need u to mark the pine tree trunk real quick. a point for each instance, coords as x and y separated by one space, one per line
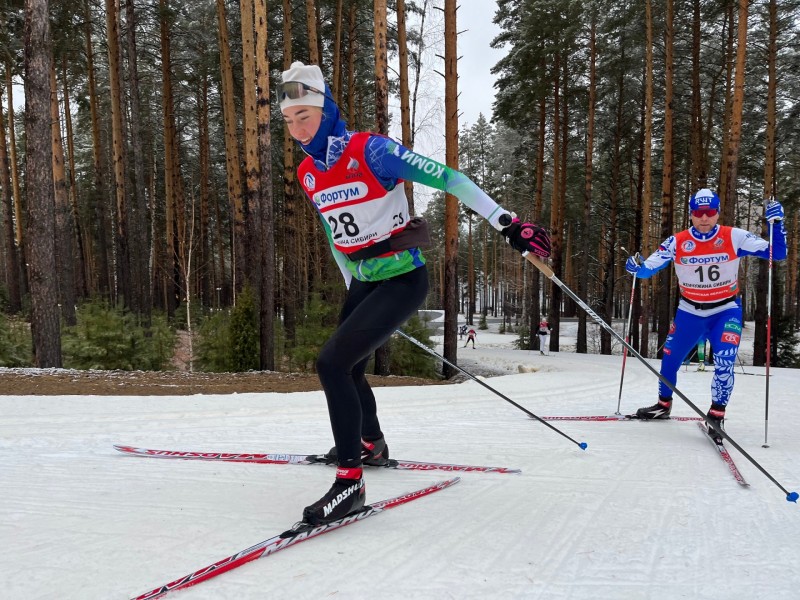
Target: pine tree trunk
352 50
584 226
291 270
537 308
667 183
381 68
80 254
336 79
731 158
450 291
12 156
267 224
232 165
252 200
760 339
562 200
381 124
793 268
726 121
699 176
122 279
556 232
65 255
140 289
313 40
172 260
645 287
405 108
40 251
101 279
10 255
206 259
614 192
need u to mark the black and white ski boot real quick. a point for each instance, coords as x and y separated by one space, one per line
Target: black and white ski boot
715 416
346 496
660 410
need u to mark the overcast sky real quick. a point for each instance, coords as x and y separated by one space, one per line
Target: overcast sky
477 59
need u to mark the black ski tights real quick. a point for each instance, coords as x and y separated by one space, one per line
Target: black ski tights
371 313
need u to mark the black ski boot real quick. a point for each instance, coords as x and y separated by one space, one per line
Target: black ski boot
659 410
374 453
346 496
715 416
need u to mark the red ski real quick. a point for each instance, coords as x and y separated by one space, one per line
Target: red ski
302 459
614 418
300 533
725 456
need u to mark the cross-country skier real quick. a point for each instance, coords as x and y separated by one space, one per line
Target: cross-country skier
706 258
355 182
544 334
701 354
471 337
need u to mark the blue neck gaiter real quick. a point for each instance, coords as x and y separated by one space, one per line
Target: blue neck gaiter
704 236
321 148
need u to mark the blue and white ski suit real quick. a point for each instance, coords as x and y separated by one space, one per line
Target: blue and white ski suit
707 267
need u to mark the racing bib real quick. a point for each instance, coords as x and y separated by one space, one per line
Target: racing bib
707 270
354 204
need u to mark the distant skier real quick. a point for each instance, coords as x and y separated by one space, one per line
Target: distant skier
544 334
706 258
701 354
462 331
471 338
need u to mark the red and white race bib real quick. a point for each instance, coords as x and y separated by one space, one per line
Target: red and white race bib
358 209
707 270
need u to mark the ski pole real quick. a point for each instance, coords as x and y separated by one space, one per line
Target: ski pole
581 445
769 336
627 337
548 272
741 365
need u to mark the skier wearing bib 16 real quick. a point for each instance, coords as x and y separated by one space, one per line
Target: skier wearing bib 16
706 258
355 182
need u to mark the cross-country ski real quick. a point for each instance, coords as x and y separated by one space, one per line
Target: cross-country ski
301 459
299 533
725 456
631 417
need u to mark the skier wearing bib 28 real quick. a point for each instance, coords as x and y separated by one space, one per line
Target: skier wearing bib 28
355 182
706 258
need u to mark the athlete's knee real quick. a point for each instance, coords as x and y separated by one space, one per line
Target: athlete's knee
725 358
330 362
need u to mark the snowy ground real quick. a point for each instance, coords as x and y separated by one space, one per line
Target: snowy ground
649 511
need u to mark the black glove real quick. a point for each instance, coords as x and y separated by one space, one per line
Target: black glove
526 237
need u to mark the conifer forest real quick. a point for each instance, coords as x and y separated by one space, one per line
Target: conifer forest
148 182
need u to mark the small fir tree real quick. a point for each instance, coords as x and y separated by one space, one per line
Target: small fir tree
15 343
111 339
244 337
409 360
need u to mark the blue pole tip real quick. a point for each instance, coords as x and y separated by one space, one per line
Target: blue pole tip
792 497
584 445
